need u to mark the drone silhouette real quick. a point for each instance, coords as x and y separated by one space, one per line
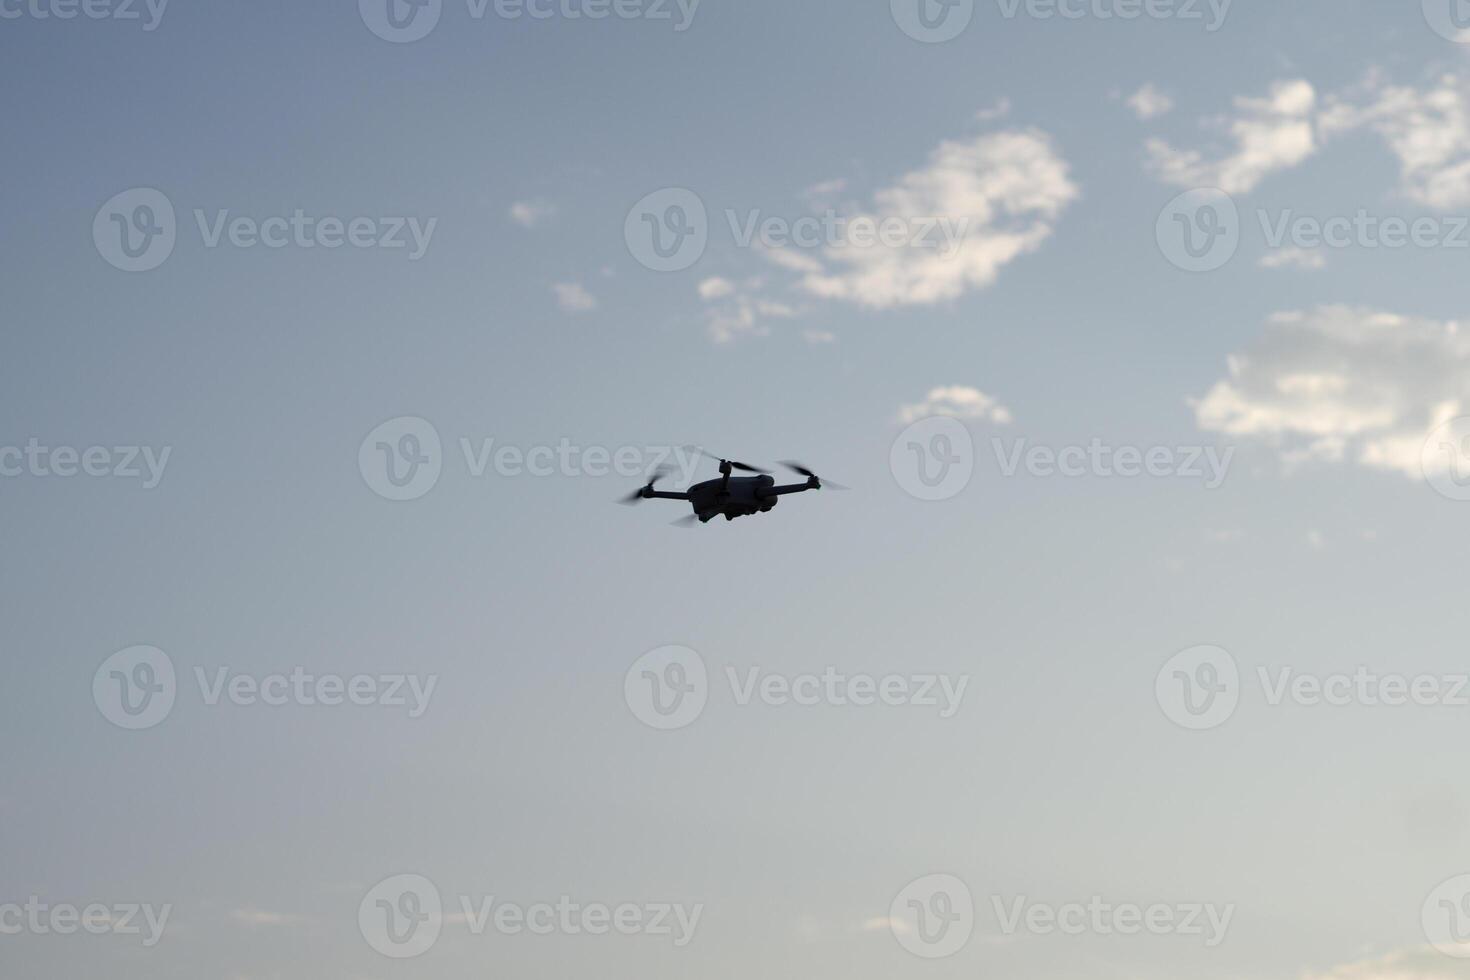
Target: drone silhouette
733 496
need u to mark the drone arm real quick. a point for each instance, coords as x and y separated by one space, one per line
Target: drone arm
790 488
664 495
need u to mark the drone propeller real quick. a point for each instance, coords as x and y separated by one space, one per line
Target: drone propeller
688 520
745 467
824 484
639 494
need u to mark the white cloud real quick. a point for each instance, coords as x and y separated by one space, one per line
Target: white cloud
738 310
1268 134
1149 102
1427 129
1292 257
1000 193
1344 384
574 298
815 337
956 401
529 214
259 918
715 287
1424 963
999 110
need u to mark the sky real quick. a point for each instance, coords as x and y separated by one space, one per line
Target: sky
331 337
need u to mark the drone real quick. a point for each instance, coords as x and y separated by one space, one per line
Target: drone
732 496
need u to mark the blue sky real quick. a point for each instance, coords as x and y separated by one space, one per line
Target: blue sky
1322 371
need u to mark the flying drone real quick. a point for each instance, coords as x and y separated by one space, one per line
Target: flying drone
733 496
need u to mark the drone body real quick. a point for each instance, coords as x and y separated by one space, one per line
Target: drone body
731 496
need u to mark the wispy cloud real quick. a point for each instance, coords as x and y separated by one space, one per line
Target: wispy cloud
573 297
530 214
1264 135
1149 102
956 401
1344 384
1001 193
1293 257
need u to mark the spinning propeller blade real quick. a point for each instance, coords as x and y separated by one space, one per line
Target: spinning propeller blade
688 520
638 495
804 471
746 467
